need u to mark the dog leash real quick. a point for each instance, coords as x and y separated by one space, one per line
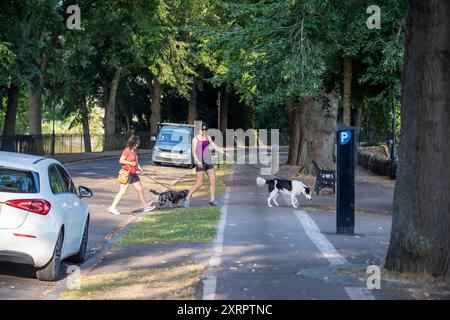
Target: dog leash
251 166
157 182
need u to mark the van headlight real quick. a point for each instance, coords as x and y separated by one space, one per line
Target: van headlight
157 149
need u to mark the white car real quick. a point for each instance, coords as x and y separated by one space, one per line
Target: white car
43 219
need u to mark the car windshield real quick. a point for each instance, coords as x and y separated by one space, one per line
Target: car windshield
174 136
18 181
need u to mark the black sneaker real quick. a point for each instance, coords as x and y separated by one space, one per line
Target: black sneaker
215 203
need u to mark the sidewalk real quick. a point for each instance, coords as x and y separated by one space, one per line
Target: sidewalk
373 193
76 157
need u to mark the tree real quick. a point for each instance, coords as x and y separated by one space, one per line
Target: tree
115 50
15 67
164 47
43 26
420 235
274 54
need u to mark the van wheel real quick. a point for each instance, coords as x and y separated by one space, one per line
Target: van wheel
156 163
51 271
80 257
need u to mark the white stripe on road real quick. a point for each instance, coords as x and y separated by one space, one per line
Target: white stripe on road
359 293
210 282
319 240
330 253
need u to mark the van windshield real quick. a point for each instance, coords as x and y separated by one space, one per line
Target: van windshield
174 136
18 181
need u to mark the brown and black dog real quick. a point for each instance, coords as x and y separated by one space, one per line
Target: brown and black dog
171 197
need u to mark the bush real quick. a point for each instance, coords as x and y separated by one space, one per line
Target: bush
377 163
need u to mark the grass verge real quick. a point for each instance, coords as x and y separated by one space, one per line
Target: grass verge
196 224
161 283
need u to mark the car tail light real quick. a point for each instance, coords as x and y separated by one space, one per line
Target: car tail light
32 205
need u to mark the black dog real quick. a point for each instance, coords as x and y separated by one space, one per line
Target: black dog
171 197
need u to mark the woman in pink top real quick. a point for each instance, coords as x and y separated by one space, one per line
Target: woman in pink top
203 163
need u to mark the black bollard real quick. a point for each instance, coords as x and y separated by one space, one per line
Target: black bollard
345 180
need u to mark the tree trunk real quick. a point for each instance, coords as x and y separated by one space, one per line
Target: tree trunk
357 122
319 134
155 107
126 117
109 101
85 122
35 110
9 128
35 98
420 237
192 103
347 101
224 111
295 132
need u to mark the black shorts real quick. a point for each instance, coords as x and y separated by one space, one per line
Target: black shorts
206 167
133 178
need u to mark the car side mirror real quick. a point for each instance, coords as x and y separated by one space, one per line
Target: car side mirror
153 138
84 192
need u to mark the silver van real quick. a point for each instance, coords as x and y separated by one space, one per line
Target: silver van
173 145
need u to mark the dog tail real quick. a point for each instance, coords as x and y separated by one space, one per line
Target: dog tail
154 192
260 182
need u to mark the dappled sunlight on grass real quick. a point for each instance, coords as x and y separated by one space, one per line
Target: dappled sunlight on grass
197 224
163 283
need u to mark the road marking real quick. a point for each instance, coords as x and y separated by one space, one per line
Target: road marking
359 293
319 240
330 253
210 282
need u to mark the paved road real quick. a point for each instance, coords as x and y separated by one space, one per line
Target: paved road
286 253
19 282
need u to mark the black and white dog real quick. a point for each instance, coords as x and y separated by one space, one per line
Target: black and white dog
171 197
291 188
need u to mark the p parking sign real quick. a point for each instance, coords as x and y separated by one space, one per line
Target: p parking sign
344 137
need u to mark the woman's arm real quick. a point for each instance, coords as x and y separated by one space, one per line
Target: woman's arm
194 153
123 160
215 146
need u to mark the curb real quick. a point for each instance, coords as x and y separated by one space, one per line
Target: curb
90 264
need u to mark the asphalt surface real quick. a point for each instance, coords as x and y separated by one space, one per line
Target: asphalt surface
267 253
19 281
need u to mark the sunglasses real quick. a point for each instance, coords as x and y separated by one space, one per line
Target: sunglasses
204 129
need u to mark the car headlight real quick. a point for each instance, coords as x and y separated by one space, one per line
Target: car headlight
157 149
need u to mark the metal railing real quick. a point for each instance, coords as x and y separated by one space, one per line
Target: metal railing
48 144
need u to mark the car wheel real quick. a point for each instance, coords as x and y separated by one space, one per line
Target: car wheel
51 271
80 257
156 163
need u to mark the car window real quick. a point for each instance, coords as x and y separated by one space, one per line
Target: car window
174 136
67 181
55 182
18 181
